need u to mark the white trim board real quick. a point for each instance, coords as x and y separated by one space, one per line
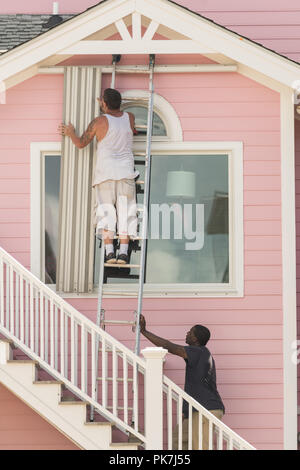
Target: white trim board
289 299
198 29
36 151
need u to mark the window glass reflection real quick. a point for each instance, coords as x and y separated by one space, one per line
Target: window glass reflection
141 118
51 211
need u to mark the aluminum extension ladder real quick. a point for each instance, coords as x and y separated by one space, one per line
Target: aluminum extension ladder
101 321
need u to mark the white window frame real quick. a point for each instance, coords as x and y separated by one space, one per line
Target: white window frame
38 150
236 241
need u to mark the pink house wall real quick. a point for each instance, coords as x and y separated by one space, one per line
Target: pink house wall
23 429
246 332
275 24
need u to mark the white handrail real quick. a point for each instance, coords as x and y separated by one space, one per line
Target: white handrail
48 329
173 392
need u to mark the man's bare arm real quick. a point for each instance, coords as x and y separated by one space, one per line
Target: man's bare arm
176 349
86 137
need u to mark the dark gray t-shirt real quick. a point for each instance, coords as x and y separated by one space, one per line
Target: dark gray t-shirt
200 379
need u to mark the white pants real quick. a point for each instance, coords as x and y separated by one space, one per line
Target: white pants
116 205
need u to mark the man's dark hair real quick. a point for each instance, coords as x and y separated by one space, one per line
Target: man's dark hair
202 334
112 98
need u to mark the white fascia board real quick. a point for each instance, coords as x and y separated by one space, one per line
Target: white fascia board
227 43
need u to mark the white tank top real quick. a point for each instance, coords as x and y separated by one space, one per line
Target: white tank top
115 159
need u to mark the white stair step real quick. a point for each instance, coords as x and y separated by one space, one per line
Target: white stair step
26 371
124 446
119 379
116 265
6 350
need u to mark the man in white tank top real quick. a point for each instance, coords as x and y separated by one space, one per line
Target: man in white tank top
114 176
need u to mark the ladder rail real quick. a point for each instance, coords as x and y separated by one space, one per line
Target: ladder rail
100 311
146 206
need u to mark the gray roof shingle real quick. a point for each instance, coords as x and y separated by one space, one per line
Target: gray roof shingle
17 29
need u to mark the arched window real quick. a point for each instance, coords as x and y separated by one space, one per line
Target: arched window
140 112
166 124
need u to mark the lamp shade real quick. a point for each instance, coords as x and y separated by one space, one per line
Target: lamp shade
181 184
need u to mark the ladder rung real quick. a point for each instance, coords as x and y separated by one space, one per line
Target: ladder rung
118 322
140 182
119 408
115 265
140 209
121 293
133 238
136 98
119 379
141 126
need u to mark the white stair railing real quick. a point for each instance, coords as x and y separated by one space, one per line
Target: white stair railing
64 342
220 436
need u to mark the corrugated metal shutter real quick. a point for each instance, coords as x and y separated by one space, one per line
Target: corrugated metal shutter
76 238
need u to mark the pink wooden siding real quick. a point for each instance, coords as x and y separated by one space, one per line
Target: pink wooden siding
246 332
23 429
274 24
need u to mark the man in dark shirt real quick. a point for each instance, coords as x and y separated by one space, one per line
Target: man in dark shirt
200 381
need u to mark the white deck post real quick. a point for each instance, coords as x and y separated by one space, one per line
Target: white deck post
154 397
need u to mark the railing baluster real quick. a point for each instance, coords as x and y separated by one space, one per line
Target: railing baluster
83 359
76 354
170 420
62 341
22 330
66 345
46 326
179 423
125 387
104 374
31 319
51 333
1 291
37 322
190 430
220 439
11 292
135 396
26 313
93 371
7 323
210 435
17 304
72 349
42 326
200 430
114 380
56 338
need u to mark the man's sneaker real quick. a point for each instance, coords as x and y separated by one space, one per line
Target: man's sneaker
123 259
110 258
